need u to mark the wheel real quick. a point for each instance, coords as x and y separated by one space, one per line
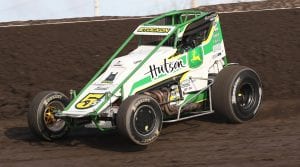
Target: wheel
140 119
236 93
41 115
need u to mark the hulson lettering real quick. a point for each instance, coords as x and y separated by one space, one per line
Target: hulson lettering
165 68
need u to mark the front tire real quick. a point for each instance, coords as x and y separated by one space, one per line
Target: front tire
41 115
237 93
140 119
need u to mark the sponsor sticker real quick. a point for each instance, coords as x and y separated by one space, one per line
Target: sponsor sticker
186 85
195 57
110 78
154 29
165 68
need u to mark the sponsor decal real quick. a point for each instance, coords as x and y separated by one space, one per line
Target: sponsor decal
138 61
154 29
217 38
111 77
89 100
216 55
217 47
195 58
165 68
118 64
186 85
102 88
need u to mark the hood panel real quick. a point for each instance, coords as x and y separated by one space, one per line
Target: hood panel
118 70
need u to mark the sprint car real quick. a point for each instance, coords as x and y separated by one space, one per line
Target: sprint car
177 71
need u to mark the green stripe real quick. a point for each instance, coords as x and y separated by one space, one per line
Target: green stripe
191 99
140 83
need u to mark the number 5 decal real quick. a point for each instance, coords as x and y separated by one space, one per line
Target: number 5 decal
89 100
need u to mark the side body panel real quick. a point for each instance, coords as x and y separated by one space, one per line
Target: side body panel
206 58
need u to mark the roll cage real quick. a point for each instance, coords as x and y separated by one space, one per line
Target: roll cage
182 31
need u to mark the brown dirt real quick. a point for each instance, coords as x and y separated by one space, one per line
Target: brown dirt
65 56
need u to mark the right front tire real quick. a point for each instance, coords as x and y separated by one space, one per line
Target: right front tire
140 119
41 115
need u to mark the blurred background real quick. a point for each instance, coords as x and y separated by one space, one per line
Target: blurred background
22 10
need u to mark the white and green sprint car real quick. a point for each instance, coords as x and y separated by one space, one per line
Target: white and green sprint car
177 71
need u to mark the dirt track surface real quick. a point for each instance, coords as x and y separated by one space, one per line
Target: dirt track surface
61 57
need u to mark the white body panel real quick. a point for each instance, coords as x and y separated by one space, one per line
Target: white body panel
121 67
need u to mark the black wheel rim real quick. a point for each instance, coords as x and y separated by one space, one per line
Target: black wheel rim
144 120
245 96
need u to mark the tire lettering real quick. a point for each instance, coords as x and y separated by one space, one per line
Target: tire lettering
233 98
51 98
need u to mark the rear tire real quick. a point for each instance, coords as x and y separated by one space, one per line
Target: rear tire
41 115
140 119
237 93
